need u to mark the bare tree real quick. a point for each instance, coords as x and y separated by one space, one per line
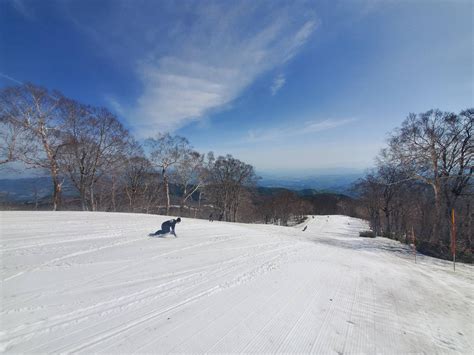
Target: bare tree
135 175
436 148
389 177
369 191
34 111
227 179
11 139
95 145
165 151
74 155
457 158
190 174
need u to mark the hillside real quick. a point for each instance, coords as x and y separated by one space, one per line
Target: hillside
95 282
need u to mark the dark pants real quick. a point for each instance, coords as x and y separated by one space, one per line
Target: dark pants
165 229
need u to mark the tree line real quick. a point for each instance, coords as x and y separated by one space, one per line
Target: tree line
421 176
87 147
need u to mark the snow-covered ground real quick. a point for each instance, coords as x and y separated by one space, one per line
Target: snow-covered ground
95 282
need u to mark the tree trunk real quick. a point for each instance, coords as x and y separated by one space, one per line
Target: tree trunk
167 192
91 194
130 200
235 214
199 205
56 193
114 207
469 228
377 223
83 200
387 221
183 199
54 169
434 238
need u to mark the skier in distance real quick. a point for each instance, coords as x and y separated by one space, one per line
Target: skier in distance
167 227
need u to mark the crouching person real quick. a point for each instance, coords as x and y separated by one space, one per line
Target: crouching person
168 227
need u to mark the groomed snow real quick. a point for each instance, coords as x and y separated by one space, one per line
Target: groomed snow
95 282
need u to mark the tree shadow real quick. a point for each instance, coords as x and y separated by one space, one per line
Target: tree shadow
366 244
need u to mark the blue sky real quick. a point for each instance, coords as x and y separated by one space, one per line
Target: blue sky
288 86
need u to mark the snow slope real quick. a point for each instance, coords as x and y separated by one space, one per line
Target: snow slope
95 282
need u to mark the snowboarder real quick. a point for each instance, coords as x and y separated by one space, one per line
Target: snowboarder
168 227
211 217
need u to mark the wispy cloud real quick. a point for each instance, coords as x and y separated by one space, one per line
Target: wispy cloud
277 84
23 8
177 91
115 104
198 57
10 78
278 133
204 77
326 124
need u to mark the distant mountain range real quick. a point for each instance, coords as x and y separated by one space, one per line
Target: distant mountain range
40 188
332 183
30 189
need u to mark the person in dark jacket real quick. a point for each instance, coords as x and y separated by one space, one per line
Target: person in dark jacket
168 227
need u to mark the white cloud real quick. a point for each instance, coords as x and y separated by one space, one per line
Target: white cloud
277 84
326 124
212 67
278 133
178 91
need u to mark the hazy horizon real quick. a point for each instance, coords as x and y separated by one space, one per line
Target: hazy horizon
12 172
